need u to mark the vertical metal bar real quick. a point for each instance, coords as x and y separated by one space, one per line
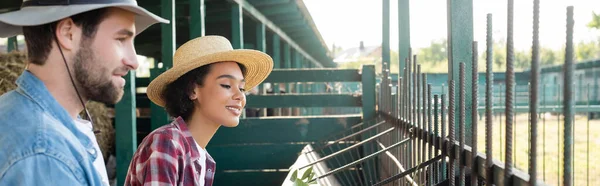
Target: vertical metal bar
261 45
404 32
558 135
237 26
12 44
488 102
159 117
429 134
385 56
197 18
544 134
422 125
568 101
126 125
413 121
368 98
287 63
276 54
443 171
533 95
339 164
502 95
474 115
451 127
587 164
461 120
418 124
437 173
460 36
509 95
514 136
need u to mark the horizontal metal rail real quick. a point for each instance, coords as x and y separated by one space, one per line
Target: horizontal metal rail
348 148
361 160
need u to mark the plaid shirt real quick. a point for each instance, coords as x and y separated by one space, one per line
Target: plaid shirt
170 156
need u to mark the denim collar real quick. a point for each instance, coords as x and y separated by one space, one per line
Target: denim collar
33 88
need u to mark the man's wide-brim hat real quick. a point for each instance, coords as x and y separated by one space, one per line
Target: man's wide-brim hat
39 12
207 50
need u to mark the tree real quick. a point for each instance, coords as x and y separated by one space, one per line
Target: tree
587 51
595 23
435 53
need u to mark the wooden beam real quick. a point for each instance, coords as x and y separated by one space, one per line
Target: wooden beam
313 75
297 129
125 128
197 18
303 100
253 12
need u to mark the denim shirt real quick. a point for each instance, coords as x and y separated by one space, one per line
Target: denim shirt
39 142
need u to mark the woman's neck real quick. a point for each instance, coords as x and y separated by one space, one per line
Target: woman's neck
201 129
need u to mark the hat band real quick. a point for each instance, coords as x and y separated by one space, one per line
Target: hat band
27 3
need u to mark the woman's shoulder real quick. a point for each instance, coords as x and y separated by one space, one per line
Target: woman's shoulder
167 135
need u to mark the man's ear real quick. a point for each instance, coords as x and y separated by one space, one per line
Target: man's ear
67 34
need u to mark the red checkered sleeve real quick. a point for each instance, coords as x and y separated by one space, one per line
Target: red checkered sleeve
157 161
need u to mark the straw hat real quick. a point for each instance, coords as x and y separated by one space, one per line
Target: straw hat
39 12
207 50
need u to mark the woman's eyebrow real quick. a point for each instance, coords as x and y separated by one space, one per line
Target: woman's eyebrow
230 77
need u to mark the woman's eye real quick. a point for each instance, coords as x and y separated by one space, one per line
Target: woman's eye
225 86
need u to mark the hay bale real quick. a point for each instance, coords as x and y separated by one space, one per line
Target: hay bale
11 66
103 124
14 63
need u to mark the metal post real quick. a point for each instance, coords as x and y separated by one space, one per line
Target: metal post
461 133
451 127
443 173
488 102
197 18
125 128
287 63
460 38
423 125
474 114
12 44
429 134
568 109
437 173
385 55
159 116
533 95
510 74
276 55
404 32
237 26
261 45
418 126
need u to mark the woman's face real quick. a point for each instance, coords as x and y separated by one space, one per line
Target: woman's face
221 98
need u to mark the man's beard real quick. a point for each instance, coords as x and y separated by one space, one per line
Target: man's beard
92 77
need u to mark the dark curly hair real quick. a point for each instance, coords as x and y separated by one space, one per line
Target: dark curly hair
177 93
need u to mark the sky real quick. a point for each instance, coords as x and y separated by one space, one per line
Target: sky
347 22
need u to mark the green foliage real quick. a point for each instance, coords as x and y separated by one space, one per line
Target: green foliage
435 53
595 23
305 180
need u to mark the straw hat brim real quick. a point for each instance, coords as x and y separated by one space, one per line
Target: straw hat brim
258 67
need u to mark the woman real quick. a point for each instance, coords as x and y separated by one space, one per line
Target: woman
203 91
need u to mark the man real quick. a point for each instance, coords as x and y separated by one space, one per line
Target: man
78 50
